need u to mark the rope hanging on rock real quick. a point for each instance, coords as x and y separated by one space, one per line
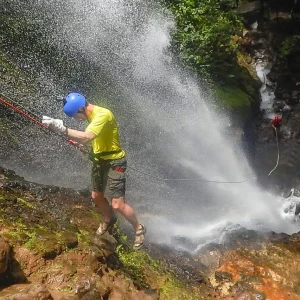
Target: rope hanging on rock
276 134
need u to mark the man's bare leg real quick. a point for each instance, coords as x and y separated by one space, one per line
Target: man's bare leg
103 205
126 211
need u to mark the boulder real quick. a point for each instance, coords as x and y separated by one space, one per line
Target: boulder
33 291
5 250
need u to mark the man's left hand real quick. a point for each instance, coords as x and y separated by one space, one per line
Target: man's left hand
55 125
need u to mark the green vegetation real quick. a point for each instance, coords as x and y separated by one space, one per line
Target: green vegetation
147 272
204 34
233 98
289 46
208 38
84 237
24 202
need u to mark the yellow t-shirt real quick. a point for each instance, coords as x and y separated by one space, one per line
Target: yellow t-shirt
104 126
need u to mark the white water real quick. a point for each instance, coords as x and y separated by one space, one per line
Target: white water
266 90
130 41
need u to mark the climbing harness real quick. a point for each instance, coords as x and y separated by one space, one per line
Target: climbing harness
276 134
34 118
97 157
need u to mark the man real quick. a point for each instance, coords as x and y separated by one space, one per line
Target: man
276 124
109 162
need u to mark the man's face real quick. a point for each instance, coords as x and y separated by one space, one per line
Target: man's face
80 116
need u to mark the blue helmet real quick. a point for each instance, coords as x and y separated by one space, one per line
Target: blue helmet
72 103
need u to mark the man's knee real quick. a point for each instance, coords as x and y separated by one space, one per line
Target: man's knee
118 203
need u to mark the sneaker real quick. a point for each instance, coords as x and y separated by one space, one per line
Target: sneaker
104 226
139 237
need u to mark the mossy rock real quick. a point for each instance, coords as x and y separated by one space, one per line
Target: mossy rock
14 237
149 273
68 239
85 219
233 98
45 243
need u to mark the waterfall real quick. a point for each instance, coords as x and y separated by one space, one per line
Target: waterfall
167 124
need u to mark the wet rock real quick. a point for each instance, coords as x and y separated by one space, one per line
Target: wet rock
16 274
105 242
26 292
5 251
31 262
249 7
244 296
69 239
92 295
223 276
61 250
85 192
85 219
210 258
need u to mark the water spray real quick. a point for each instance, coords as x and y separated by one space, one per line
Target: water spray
34 118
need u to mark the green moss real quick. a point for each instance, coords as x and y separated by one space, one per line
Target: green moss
24 202
233 98
135 262
67 239
19 223
47 245
66 289
10 68
33 242
83 237
15 237
145 272
244 60
95 215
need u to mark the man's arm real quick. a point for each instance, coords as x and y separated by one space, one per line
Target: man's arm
81 137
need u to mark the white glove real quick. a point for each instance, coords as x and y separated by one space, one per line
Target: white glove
55 125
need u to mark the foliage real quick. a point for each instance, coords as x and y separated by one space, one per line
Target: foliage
204 33
289 46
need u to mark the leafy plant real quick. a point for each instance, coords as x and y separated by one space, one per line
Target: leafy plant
289 46
204 32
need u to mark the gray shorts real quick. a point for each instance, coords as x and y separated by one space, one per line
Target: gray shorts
109 178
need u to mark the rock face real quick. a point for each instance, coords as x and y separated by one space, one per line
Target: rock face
26 292
54 254
276 41
49 250
269 272
4 256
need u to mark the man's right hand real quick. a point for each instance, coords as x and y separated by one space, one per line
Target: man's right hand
55 125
